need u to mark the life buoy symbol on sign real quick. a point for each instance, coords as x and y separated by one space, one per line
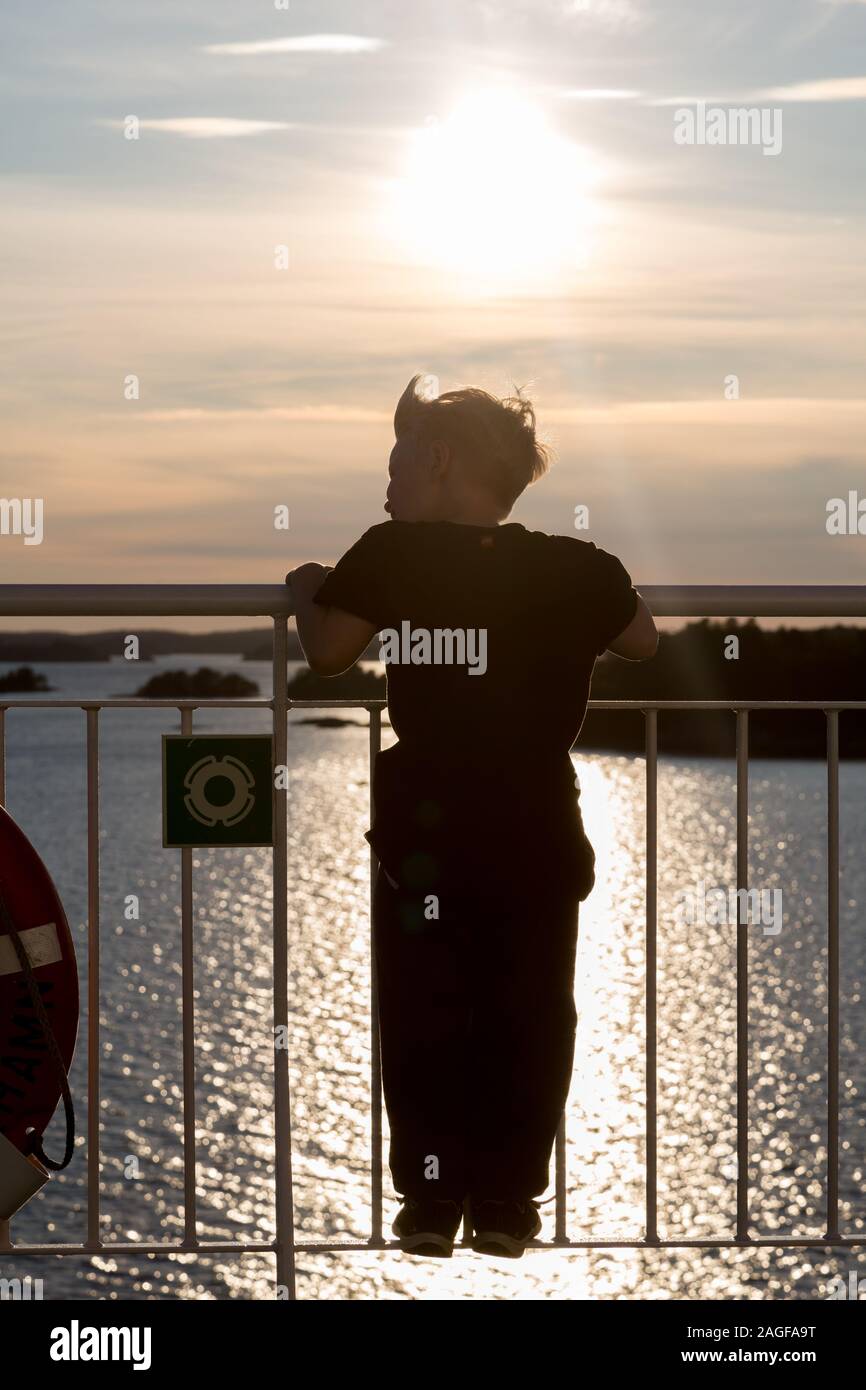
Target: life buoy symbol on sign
211 813
38 1017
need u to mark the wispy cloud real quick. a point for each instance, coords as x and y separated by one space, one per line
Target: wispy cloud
308 414
827 89
832 89
600 94
302 43
708 100
769 410
207 127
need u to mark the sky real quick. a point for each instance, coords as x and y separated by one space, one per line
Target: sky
324 199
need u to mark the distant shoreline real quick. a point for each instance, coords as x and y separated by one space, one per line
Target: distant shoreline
721 661
248 644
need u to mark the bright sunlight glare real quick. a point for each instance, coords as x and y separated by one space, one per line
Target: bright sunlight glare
494 192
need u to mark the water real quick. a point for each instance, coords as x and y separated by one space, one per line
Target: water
140 1005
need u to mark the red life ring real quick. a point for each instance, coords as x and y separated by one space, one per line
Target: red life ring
39 1004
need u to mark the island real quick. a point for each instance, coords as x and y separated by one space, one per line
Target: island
205 683
23 679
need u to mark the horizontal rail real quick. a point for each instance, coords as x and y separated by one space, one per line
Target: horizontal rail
756 600
152 600
275 600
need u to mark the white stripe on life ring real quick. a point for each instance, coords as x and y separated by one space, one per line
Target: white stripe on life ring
41 944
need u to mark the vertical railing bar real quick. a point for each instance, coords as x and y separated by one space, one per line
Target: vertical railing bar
651 755
742 975
375 1053
284 1192
93 1035
561 1235
5 1226
832 974
188 1005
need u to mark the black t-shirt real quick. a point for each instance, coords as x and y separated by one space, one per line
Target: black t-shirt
504 625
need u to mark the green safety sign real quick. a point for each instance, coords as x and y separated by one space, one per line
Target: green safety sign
217 789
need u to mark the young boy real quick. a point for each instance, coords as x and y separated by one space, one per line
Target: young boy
490 632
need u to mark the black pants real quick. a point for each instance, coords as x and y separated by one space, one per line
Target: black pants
477 1024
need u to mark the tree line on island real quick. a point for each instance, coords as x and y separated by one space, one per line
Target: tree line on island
821 664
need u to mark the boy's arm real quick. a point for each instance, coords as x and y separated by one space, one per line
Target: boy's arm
331 639
638 641
623 623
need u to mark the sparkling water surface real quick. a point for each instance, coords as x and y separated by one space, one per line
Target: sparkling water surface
328 897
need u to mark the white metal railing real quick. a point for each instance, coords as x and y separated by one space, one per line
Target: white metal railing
274 601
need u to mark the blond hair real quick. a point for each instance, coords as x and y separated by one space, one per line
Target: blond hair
494 437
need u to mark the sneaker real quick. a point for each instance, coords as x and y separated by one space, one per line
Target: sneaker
428 1227
504 1228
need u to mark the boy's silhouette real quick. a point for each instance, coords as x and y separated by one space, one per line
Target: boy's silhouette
482 854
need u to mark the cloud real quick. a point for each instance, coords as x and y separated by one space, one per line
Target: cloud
832 89
798 411
313 414
828 89
708 101
208 127
600 94
759 411
302 43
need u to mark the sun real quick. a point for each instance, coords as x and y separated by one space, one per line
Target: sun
494 192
